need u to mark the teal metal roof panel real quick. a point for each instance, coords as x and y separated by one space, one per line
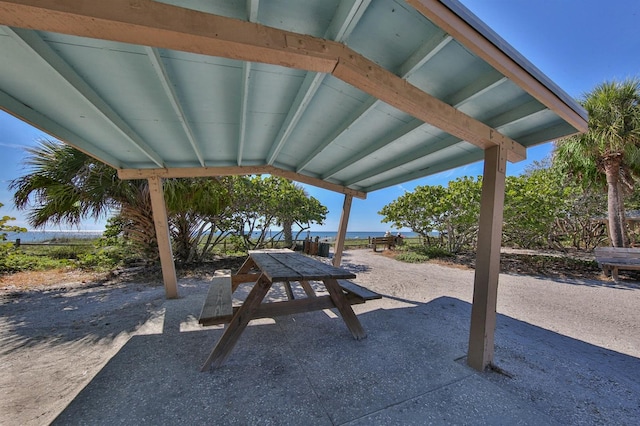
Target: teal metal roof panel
138 106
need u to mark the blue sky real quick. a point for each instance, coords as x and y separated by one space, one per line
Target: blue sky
577 43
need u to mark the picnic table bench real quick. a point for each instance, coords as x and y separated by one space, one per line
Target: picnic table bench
389 241
264 268
611 259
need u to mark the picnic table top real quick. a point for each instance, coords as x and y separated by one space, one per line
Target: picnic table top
286 265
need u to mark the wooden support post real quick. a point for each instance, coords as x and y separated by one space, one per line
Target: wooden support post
342 230
485 291
162 236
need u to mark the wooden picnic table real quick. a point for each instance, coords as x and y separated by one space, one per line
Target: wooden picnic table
266 267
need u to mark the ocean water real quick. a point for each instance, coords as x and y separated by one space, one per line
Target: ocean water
331 236
37 236
325 236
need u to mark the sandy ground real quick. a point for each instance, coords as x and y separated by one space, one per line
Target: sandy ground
53 341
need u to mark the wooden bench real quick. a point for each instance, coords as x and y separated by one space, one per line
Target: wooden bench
611 259
356 293
218 304
389 241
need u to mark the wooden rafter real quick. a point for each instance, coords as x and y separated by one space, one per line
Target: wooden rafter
343 22
235 171
172 96
23 112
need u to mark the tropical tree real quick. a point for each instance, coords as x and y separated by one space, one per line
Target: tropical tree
4 228
421 211
67 186
462 202
258 203
194 207
608 154
296 209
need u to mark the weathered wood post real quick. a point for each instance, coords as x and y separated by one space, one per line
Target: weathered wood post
162 236
342 230
485 290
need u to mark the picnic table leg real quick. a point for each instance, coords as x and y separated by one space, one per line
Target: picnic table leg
307 288
344 307
288 290
238 323
247 266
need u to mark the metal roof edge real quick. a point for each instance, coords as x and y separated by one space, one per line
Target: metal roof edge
483 29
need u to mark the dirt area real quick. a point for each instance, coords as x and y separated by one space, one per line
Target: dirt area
548 263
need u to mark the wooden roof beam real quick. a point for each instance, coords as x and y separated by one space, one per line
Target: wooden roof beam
420 57
155 24
344 21
29 115
386 86
236 171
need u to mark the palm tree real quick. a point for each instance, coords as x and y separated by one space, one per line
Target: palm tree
609 152
67 186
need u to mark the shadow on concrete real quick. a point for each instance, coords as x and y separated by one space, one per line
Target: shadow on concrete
63 315
308 369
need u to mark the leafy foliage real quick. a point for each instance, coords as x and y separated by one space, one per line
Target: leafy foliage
4 228
451 213
258 203
65 185
543 209
608 154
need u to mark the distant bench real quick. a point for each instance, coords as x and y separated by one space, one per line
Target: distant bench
389 241
611 259
218 305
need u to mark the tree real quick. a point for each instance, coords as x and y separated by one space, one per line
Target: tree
294 207
534 203
4 228
421 211
462 203
608 154
259 203
194 206
67 186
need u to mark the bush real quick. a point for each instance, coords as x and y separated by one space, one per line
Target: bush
420 253
412 257
18 261
433 252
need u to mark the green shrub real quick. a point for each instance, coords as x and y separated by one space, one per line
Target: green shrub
105 258
433 252
15 261
412 257
68 252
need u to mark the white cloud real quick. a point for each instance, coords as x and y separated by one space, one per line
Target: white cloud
12 145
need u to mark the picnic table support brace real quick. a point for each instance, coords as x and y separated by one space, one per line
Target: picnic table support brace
485 290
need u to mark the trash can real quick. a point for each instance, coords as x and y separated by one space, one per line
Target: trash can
323 250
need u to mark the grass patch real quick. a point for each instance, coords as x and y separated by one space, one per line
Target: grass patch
419 253
411 257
